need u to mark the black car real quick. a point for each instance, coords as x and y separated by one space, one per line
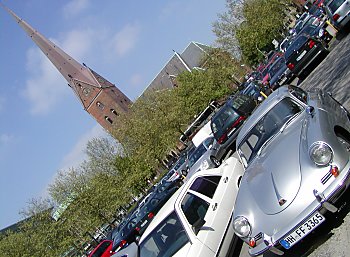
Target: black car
226 122
304 53
279 74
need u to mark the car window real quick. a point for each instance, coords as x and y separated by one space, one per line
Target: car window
165 240
206 185
269 125
208 142
295 46
223 121
194 208
335 4
200 150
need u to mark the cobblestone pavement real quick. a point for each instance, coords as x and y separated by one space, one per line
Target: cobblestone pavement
332 239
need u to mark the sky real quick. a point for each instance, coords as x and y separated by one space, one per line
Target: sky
43 127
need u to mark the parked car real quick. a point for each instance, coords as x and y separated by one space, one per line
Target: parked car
202 158
196 221
103 249
338 11
319 32
140 219
305 52
295 149
226 123
175 172
254 89
279 74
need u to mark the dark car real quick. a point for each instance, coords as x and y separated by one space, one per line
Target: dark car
253 90
303 54
226 122
279 74
140 219
317 31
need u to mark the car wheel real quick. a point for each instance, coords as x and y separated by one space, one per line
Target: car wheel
214 160
344 141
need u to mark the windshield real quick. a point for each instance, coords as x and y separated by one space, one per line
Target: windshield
200 150
268 126
295 45
165 240
334 5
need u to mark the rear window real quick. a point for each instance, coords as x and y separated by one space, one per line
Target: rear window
224 119
335 4
295 45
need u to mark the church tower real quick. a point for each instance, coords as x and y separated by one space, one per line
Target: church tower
100 98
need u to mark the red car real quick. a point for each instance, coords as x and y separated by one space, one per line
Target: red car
104 249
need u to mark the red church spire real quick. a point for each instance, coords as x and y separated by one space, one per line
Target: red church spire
99 97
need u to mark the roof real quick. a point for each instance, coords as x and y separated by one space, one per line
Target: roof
188 60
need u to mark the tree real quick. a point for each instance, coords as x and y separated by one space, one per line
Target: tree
226 26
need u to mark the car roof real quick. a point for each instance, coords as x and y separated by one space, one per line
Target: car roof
266 105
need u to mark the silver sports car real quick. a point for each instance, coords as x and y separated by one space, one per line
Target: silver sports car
296 152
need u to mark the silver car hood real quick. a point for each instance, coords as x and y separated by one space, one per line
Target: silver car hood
273 179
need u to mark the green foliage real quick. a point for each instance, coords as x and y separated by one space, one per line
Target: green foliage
264 20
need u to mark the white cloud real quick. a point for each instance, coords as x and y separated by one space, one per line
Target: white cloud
125 39
45 86
77 154
78 43
74 7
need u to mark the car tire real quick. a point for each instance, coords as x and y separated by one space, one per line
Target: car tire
214 160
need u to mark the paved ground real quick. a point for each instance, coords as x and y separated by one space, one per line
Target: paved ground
332 239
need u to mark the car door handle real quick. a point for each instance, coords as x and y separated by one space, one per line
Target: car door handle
215 206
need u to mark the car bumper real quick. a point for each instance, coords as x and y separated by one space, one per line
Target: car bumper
222 149
331 194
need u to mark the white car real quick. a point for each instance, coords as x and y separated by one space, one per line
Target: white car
196 220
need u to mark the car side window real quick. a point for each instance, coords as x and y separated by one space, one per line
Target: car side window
206 185
194 208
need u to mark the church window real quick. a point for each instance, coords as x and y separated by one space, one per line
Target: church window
100 105
108 119
114 112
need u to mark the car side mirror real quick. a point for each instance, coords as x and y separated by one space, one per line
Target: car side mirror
310 110
198 225
184 172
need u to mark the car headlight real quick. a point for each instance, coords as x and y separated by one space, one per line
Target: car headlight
204 165
320 33
241 226
321 153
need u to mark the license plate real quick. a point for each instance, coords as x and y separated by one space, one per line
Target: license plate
283 80
144 223
301 55
302 230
